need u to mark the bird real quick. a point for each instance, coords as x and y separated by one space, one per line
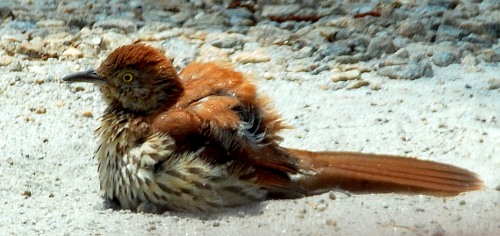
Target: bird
204 140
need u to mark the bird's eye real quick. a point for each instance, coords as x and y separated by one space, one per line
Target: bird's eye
128 77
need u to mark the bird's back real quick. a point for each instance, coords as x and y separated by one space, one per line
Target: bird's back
236 126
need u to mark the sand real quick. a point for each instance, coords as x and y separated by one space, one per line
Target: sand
49 182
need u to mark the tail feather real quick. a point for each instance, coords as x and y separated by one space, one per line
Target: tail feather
381 173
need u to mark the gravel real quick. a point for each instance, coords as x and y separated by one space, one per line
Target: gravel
416 78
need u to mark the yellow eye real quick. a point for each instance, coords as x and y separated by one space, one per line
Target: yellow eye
128 77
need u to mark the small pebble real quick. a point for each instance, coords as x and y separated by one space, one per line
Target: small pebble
112 40
30 49
79 88
415 69
228 40
26 194
208 20
332 51
358 84
331 223
449 33
320 207
123 25
268 34
444 58
40 110
346 75
490 55
375 86
494 83
302 213
380 45
400 57
5 60
72 52
280 11
470 60
88 114
411 28
208 53
50 23
252 57
331 195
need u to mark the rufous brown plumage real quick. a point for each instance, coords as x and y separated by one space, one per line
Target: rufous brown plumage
203 140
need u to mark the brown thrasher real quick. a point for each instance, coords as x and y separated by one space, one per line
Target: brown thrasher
203 140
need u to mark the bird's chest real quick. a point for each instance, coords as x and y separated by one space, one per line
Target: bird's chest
136 167
118 166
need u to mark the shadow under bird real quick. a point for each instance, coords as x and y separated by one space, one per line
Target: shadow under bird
203 140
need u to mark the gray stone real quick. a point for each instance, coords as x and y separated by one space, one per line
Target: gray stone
380 45
473 25
181 17
344 34
494 83
22 26
77 22
280 10
449 33
401 57
453 18
180 51
238 12
50 23
450 4
483 40
490 55
429 11
267 34
493 28
15 66
469 60
112 40
6 12
240 17
415 69
348 59
5 60
208 20
331 51
224 40
411 28
32 49
359 43
154 15
444 58
401 42
123 25
309 34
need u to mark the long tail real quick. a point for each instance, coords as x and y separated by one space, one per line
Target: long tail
381 173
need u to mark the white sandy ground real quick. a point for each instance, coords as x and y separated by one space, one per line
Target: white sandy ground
49 183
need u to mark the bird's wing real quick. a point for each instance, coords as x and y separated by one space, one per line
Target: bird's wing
220 111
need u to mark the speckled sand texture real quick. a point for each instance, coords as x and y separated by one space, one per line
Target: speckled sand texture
423 80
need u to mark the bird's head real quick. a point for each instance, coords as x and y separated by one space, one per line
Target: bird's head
136 78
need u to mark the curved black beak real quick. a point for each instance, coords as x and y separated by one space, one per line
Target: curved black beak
89 76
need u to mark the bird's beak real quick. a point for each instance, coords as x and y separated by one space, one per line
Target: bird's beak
89 76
